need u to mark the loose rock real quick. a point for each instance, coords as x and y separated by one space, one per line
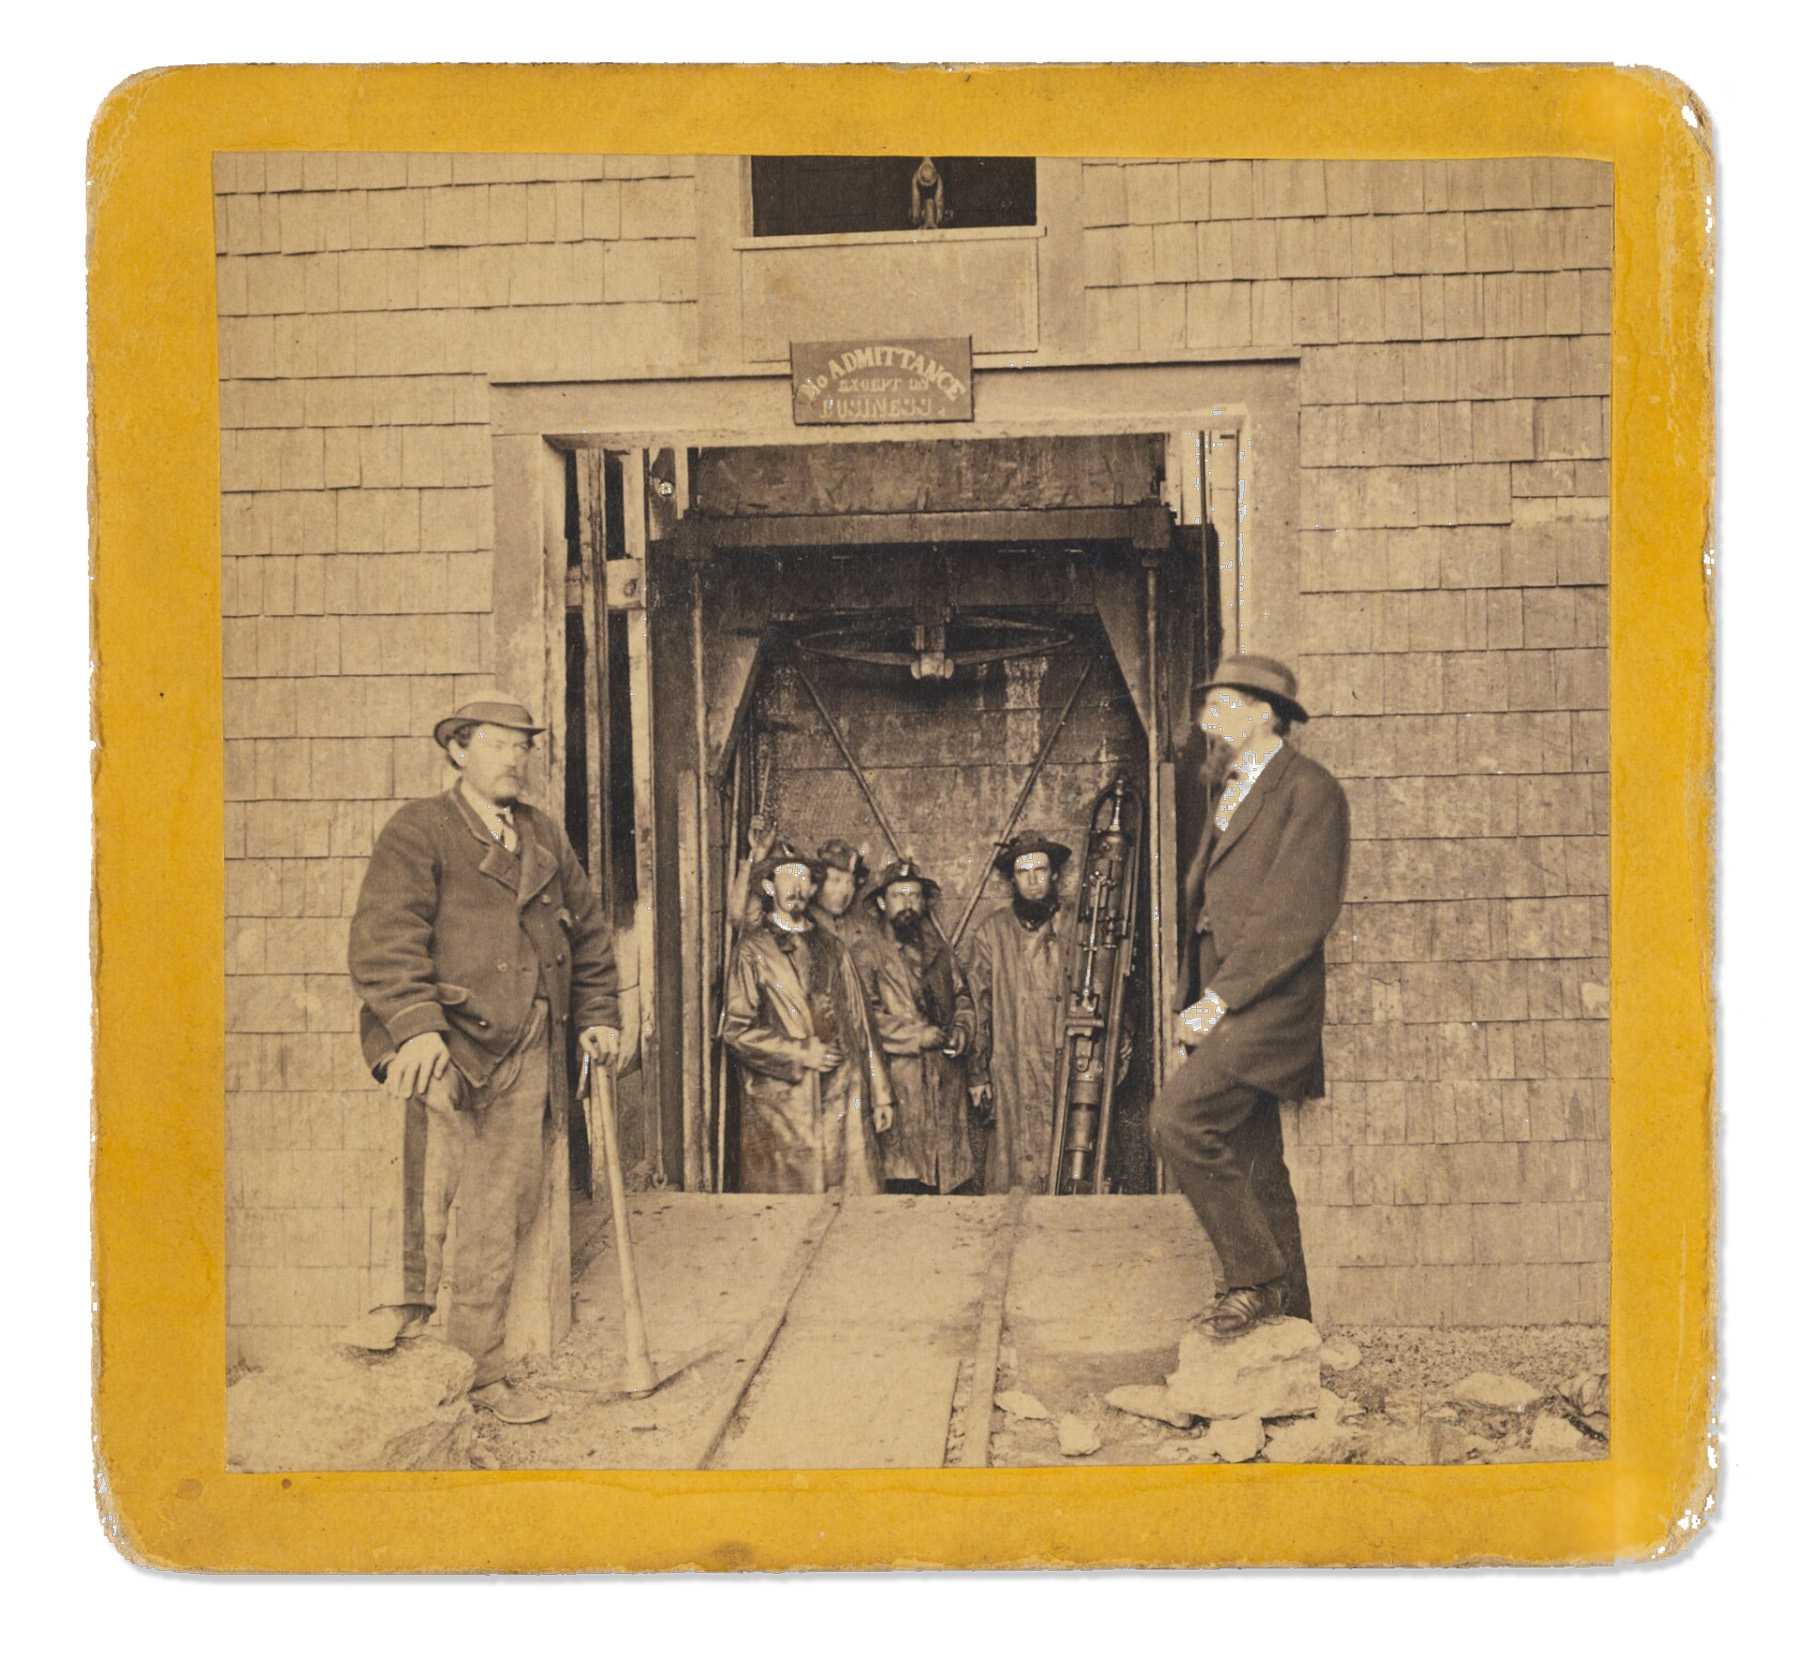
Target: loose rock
1187 1453
1387 1443
1310 1442
1149 1402
1268 1372
1235 1440
1020 1404
1586 1393
1076 1437
1496 1390
335 1408
1554 1436
1338 1354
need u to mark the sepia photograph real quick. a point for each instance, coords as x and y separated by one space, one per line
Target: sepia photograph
914 811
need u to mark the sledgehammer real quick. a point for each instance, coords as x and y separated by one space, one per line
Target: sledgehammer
597 1093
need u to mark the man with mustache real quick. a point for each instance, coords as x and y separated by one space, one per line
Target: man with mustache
1260 897
814 1091
1016 981
477 945
925 1020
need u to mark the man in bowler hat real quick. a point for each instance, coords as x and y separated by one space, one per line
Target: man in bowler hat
1258 901
1015 976
477 948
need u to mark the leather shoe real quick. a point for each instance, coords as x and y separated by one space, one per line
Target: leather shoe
507 1405
384 1325
1241 1308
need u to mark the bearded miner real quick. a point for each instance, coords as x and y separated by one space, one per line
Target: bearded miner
925 1020
1016 981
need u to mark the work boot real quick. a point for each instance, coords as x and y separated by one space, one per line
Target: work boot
1241 1308
507 1405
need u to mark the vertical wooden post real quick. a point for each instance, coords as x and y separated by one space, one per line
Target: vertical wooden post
1224 512
643 780
700 999
530 556
596 687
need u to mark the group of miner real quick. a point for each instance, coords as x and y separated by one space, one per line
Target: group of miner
864 1047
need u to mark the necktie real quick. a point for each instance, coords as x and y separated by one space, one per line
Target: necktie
507 834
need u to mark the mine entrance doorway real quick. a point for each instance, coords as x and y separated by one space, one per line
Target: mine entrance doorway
978 584
919 699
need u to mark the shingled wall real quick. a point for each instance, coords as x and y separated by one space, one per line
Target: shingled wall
1452 321
363 300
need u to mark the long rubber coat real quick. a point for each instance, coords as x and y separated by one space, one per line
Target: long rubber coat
801 1131
930 1139
1016 981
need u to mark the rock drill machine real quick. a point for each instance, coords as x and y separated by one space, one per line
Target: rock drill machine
1095 1047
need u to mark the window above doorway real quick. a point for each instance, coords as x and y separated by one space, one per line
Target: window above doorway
836 195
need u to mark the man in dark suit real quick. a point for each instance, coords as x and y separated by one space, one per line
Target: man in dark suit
477 947
1259 899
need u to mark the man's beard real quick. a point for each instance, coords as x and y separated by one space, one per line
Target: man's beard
1034 913
908 924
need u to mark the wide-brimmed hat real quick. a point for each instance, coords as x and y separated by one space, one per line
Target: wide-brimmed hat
782 854
1261 675
491 709
1031 844
845 857
898 871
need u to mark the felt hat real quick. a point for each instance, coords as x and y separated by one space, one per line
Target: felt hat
783 854
1261 675
490 709
845 857
1029 844
901 869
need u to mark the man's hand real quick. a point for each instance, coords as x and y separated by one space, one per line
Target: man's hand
602 1045
821 1058
954 1043
1200 1019
981 1098
412 1070
884 1117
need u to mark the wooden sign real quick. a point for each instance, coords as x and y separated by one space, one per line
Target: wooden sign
882 381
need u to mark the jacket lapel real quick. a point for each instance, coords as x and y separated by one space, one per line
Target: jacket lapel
1247 812
497 863
536 864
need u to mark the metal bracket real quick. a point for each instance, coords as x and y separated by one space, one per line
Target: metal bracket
624 583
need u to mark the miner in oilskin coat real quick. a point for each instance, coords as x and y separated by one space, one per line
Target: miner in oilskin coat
477 948
1259 899
1015 973
925 1020
814 1089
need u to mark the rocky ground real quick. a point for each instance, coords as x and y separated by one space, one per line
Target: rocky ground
1382 1396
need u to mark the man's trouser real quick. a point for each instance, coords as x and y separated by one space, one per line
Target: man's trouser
1221 1142
486 1159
